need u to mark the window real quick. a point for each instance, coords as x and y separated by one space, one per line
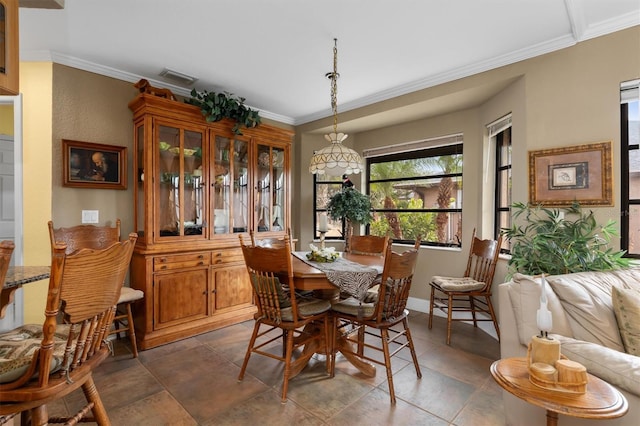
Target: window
500 133
630 176
416 191
324 188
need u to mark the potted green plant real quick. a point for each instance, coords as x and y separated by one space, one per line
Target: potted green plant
216 106
352 206
554 241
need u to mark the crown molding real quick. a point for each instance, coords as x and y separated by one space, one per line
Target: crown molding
73 62
448 76
580 31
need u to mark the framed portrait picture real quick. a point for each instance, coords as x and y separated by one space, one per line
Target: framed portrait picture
93 165
562 176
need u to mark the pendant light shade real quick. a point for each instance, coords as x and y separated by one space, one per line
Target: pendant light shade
335 159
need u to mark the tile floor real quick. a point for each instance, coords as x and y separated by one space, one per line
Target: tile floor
194 382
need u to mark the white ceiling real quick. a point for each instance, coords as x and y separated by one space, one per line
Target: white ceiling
275 53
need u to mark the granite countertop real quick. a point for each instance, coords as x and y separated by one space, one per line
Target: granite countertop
18 275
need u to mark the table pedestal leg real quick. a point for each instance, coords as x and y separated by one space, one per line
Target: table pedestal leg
364 366
320 346
552 418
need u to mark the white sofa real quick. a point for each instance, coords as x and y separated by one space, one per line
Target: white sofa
584 320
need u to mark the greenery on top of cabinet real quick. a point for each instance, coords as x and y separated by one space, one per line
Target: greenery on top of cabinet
216 106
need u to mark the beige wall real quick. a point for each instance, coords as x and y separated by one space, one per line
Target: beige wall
36 89
6 120
564 98
91 108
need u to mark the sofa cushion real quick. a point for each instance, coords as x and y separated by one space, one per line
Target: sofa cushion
524 292
626 306
586 299
617 368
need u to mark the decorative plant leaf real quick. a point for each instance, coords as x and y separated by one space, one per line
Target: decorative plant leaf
351 205
216 106
544 241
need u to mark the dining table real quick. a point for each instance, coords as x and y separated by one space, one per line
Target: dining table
309 276
16 277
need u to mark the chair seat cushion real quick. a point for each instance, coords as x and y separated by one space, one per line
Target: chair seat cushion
457 283
306 307
353 306
128 294
18 346
372 294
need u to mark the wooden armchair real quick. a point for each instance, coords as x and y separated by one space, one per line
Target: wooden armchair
99 237
45 363
354 319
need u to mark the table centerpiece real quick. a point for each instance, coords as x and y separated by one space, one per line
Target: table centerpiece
322 255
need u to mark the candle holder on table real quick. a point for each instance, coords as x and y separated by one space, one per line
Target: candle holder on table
322 239
548 368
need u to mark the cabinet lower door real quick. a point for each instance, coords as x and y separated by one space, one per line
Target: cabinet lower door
180 297
233 287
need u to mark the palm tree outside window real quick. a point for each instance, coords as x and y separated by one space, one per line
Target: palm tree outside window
417 192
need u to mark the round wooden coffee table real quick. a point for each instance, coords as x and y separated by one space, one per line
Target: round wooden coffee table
600 401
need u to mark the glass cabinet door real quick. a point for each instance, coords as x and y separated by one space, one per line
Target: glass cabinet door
181 198
230 196
140 185
278 206
240 203
270 189
9 47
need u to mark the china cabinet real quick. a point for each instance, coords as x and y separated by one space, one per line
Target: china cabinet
198 185
9 47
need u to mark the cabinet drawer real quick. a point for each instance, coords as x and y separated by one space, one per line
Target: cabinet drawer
227 256
180 261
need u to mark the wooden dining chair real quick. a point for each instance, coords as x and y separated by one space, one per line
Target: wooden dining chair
266 242
472 291
98 237
44 363
372 293
303 321
353 319
6 250
367 244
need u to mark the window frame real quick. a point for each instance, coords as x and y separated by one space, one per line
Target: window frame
498 206
452 148
317 211
626 202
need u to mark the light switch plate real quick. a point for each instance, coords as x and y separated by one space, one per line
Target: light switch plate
89 216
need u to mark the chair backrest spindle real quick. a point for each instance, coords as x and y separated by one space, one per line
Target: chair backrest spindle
483 256
395 285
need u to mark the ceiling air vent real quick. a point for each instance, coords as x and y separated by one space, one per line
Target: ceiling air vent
178 77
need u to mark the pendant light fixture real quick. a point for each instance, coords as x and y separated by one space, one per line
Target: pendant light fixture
335 159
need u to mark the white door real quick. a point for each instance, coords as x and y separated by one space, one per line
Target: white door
11 199
7 195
